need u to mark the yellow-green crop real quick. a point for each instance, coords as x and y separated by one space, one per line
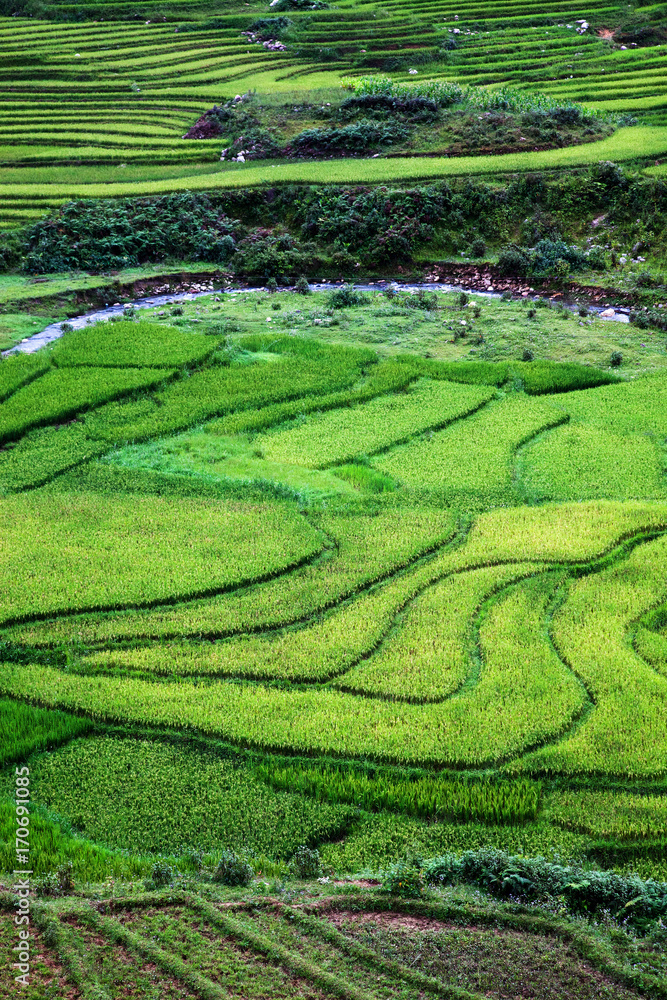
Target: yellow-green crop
343 434
66 552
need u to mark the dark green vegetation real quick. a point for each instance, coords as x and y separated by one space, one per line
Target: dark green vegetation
345 226
259 127
539 226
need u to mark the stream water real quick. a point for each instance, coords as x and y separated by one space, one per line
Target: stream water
54 330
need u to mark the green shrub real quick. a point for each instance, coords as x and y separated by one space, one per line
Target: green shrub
405 879
354 138
99 234
428 301
346 296
415 109
299 5
629 898
270 27
549 257
478 248
162 874
513 260
302 287
305 862
47 884
376 224
233 869
274 255
616 359
644 320
609 174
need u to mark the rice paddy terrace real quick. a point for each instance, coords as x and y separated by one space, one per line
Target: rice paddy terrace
333 635
277 608
95 98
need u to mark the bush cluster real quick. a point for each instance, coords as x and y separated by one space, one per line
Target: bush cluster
645 319
549 257
378 224
233 869
405 879
263 252
300 5
58 883
423 109
270 27
162 874
306 862
348 223
346 296
96 235
629 898
354 138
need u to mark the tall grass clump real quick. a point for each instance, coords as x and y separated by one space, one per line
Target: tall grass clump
24 728
429 797
446 93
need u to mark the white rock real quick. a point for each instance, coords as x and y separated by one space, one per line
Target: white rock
607 313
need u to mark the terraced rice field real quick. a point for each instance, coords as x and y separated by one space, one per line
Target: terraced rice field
438 623
99 105
391 625
333 638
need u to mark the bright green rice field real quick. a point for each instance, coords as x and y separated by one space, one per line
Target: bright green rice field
344 535
331 578
279 575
